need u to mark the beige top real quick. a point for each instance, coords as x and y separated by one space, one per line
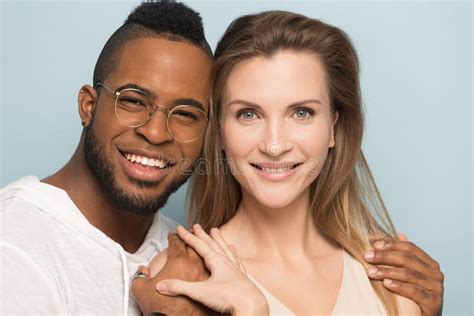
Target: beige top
356 295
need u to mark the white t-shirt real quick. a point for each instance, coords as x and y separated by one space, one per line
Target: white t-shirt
53 261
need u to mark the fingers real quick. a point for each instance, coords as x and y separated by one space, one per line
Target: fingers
416 293
140 282
412 272
201 247
387 244
174 287
216 235
197 291
404 254
403 275
201 234
396 259
213 249
241 266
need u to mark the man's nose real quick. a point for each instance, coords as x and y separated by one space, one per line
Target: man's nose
156 130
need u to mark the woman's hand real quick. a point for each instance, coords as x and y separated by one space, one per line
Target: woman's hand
412 273
178 261
228 289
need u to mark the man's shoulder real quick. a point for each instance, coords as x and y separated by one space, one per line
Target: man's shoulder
28 213
15 203
168 223
162 225
15 190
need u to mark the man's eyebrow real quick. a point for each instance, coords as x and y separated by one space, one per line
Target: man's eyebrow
182 101
135 86
292 105
191 102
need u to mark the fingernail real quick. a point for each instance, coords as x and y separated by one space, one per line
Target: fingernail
161 287
369 254
372 270
387 282
379 244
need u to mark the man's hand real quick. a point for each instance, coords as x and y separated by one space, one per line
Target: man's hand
183 263
411 273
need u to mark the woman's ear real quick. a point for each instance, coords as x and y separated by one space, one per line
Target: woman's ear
332 141
86 104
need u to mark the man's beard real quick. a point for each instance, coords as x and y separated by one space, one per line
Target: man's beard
104 172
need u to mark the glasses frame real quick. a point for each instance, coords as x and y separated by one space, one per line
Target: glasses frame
151 112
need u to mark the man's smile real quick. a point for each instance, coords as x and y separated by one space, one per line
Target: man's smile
145 166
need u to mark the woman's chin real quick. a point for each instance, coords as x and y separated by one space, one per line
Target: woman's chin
274 202
276 197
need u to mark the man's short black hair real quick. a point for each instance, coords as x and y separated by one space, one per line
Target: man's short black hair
162 19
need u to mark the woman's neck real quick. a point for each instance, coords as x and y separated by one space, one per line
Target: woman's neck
287 233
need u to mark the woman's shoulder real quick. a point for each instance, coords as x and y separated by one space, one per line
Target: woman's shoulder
407 306
231 231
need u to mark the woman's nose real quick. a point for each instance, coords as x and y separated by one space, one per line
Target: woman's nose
275 141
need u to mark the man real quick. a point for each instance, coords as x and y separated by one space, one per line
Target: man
71 242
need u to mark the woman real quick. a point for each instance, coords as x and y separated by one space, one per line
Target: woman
299 200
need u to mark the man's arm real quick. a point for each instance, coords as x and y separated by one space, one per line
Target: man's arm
25 288
182 262
408 271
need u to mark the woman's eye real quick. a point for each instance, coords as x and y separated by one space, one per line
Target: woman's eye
246 115
304 113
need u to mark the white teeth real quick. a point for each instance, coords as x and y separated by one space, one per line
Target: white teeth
275 170
146 161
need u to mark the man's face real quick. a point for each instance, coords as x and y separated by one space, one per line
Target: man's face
122 157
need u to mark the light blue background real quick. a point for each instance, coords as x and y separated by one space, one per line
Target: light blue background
417 84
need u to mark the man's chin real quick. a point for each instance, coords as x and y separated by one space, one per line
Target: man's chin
145 197
144 184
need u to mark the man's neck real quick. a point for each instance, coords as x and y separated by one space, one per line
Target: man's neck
125 228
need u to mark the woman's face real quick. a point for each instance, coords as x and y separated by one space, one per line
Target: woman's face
277 125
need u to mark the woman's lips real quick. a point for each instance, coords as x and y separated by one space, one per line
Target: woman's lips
276 172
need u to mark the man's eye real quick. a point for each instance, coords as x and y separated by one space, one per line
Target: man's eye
131 102
185 115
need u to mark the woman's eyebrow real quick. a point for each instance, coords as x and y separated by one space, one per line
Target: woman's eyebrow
244 102
303 102
291 105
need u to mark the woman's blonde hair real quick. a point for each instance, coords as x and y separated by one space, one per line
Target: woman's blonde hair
346 204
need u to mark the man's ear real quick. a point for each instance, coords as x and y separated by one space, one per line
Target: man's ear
86 104
332 141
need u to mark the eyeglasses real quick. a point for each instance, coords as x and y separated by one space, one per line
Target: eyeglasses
135 108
